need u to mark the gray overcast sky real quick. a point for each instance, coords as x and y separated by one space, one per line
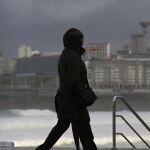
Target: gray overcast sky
42 23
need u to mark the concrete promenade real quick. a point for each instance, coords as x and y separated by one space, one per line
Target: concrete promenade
66 148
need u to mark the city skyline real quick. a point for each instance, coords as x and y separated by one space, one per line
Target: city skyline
41 24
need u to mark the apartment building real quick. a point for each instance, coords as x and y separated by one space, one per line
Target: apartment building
97 51
119 74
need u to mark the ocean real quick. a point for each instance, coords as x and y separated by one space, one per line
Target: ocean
30 127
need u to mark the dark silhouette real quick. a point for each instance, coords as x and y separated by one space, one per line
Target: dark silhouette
68 102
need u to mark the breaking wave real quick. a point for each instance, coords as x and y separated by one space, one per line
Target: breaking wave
31 127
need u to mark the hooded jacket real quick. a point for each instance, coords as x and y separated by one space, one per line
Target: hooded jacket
72 78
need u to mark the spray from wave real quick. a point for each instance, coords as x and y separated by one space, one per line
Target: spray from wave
31 127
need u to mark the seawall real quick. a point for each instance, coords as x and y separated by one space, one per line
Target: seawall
44 99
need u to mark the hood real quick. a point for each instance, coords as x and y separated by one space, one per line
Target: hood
73 39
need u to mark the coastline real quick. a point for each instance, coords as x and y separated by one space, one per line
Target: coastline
139 101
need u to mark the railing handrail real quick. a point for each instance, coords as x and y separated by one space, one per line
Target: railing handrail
133 111
133 130
126 139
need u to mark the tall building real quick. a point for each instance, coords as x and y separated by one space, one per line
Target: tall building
97 51
139 43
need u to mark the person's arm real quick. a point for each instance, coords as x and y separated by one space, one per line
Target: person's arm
74 67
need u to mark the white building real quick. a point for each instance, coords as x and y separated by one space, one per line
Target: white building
120 74
97 51
7 66
26 51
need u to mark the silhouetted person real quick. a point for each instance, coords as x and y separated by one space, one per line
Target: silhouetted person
72 80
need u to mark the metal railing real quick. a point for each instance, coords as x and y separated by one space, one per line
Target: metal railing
116 98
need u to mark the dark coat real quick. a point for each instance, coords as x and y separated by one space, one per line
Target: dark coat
72 78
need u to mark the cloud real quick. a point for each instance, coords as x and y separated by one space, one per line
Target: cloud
41 23
55 9
18 9
73 10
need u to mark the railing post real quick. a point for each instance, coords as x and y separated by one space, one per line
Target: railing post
114 122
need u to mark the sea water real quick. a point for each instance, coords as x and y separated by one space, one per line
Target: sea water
31 127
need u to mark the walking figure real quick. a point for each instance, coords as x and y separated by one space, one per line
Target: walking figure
68 102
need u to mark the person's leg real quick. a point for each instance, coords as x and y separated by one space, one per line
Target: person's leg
54 135
86 135
75 134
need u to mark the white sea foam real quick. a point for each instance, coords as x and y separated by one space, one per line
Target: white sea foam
30 127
